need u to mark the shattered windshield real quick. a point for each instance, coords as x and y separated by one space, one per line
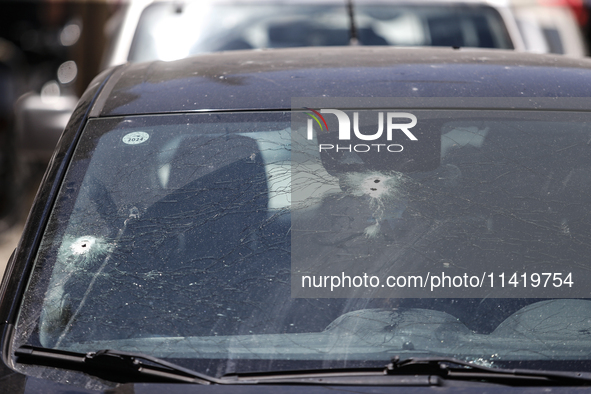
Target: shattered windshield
244 241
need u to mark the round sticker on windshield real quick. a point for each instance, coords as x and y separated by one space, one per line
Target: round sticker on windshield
137 137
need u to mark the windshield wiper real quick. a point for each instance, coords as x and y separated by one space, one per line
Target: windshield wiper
428 371
454 369
128 367
113 365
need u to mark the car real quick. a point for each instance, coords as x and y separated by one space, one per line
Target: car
149 30
146 30
551 28
300 219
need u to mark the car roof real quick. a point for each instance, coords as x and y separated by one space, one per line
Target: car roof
268 79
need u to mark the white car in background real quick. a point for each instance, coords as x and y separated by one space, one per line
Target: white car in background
149 30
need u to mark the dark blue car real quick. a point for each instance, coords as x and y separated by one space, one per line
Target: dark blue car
361 219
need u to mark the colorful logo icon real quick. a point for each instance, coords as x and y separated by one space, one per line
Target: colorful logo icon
315 115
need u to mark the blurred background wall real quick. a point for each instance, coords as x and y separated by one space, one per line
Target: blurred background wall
43 44
48 33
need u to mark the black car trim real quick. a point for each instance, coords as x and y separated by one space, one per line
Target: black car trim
104 94
530 104
247 110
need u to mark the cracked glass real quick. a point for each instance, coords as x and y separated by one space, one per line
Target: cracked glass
187 237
